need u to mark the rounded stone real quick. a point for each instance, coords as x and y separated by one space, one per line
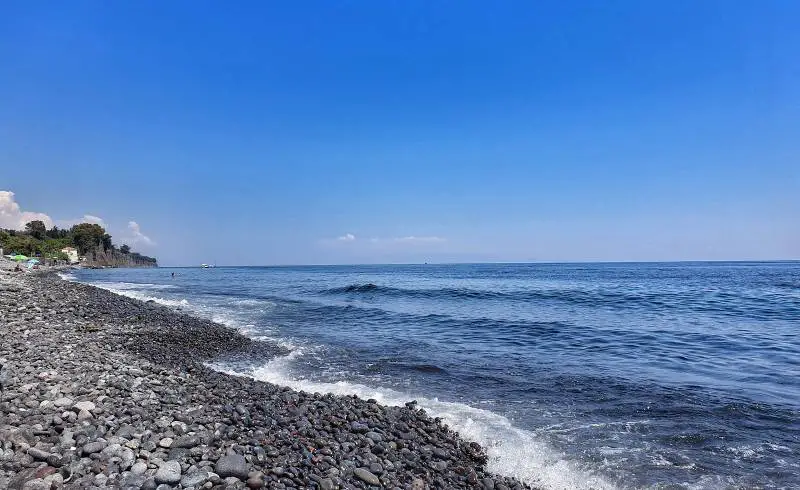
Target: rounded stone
63 402
255 482
232 465
94 447
84 405
366 476
170 472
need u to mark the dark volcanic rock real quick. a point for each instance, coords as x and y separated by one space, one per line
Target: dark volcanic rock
233 465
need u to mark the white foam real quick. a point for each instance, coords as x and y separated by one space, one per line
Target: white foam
711 482
254 302
67 276
127 289
176 303
511 451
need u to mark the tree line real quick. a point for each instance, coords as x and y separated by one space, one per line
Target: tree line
37 240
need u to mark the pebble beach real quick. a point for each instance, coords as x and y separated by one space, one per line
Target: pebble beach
105 391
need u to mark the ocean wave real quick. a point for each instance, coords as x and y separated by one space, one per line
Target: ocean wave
719 302
67 276
357 288
131 293
511 451
251 302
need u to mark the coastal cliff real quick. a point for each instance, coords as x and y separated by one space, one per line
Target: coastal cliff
100 257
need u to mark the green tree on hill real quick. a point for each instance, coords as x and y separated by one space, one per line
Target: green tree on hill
55 232
106 241
51 246
36 229
22 244
87 236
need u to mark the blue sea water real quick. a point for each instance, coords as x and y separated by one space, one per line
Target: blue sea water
658 375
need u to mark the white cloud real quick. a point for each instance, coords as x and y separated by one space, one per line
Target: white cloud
137 235
87 218
384 242
419 239
410 240
12 216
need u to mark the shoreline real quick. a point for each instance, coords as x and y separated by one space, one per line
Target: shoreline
108 391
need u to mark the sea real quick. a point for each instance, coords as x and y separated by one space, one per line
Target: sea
572 376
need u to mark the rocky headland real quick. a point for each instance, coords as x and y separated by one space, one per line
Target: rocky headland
103 391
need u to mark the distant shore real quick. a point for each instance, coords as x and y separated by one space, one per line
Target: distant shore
107 391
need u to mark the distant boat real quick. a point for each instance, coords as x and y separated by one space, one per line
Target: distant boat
204 266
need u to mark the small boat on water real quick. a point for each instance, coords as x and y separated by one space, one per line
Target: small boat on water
206 266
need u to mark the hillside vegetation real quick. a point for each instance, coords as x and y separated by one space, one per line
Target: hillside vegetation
90 239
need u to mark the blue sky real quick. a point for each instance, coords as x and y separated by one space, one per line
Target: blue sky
363 131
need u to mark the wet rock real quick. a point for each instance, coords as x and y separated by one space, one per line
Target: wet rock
366 476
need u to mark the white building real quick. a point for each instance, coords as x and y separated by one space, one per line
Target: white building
72 254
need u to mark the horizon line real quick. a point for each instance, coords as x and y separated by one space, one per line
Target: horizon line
687 261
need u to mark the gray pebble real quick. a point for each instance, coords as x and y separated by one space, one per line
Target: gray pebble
366 476
169 472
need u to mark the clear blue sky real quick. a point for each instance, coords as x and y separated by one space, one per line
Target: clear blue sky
409 131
